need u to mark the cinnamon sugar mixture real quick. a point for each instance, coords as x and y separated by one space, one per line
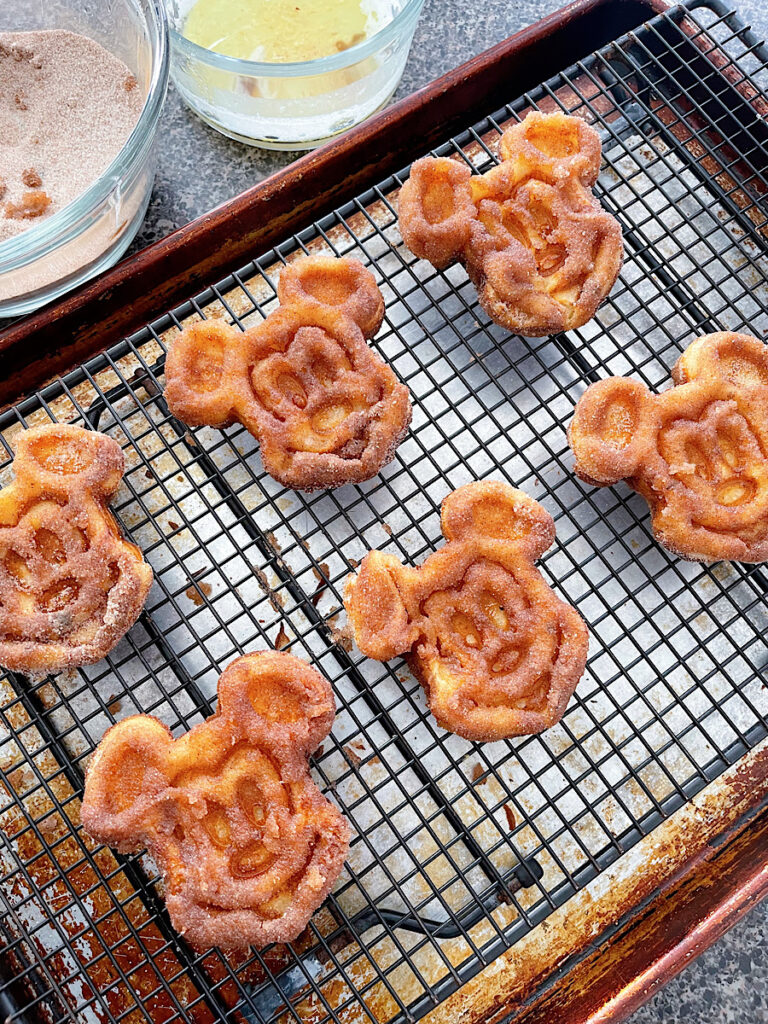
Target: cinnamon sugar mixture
67 106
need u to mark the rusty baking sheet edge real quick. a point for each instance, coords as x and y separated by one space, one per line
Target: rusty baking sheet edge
641 921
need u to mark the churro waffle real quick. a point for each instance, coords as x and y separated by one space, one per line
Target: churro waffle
323 406
696 453
497 652
70 586
248 845
540 249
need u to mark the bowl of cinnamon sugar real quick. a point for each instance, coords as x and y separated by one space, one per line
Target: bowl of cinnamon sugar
81 90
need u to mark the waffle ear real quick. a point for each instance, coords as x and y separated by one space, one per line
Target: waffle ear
62 458
608 433
739 358
204 371
377 612
557 145
277 702
343 285
436 210
123 779
492 511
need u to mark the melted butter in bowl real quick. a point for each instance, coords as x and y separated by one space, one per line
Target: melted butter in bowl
278 31
289 74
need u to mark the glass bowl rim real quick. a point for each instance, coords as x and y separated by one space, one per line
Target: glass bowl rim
64 226
299 68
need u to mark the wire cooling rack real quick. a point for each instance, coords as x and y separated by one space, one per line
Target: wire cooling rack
459 849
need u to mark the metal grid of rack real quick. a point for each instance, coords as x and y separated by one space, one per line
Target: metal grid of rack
459 849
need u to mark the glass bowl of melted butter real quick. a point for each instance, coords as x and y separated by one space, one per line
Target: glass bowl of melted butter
288 74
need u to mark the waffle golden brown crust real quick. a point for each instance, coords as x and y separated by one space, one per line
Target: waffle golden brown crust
698 453
498 654
538 246
70 585
323 406
248 845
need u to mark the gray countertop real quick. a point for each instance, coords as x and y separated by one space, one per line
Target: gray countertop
200 169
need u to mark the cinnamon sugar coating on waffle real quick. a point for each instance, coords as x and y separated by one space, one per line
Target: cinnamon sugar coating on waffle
324 407
537 245
498 654
248 845
70 585
698 452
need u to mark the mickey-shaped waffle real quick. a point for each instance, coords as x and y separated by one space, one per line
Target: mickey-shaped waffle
497 652
323 406
539 248
248 845
70 586
698 453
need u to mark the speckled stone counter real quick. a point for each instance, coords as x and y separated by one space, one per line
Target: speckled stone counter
199 169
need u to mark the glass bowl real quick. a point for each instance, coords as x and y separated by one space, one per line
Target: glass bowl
296 105
91 233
